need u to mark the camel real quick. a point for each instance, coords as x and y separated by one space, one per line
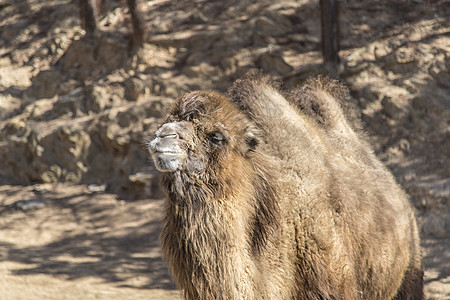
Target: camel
267 199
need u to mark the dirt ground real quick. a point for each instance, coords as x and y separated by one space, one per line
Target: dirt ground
80 204
79 244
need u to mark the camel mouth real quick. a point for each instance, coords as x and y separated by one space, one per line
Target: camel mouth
165 151
168 154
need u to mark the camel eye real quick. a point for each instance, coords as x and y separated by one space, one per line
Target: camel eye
216 139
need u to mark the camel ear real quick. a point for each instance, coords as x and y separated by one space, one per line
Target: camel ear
252 140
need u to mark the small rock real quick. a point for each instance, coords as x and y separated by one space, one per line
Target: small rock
96 188
131 116
97 99
37 109
266 26
134 88
15 126
29 205
273 63
40 189
391 108
45 84
68 104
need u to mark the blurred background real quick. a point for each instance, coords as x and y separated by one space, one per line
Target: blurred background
83 85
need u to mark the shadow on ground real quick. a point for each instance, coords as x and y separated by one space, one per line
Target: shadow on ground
88 235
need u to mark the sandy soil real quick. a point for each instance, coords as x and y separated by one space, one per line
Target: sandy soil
80 245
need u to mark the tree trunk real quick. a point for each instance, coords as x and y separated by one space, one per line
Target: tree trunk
88 16
330 36
137 22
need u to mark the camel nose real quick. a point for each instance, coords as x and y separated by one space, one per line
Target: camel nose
167 131
166 138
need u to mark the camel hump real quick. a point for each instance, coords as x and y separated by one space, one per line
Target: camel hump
327 102
258 98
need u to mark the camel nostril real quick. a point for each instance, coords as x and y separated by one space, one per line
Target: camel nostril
168 131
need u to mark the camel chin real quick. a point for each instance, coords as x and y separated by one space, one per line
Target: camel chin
168 161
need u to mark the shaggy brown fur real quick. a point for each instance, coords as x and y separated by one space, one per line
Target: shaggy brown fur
266 202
